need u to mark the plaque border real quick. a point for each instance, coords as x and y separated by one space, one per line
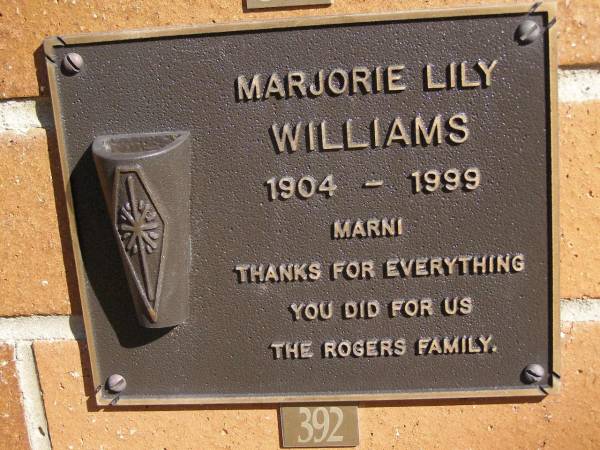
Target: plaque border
549 8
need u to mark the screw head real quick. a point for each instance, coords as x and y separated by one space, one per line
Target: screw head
527 32
72 63
533 373
116 383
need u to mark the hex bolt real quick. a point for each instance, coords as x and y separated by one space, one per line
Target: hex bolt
72 63
533 373
527 32
116 383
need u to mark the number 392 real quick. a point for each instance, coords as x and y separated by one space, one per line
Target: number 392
320 424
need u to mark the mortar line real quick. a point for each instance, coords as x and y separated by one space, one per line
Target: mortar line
69 328
41 328
19 115
578 85
580 310
31 395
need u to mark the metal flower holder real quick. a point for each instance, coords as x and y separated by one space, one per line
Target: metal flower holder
146 181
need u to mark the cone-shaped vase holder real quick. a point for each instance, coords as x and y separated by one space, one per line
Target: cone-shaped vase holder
146 181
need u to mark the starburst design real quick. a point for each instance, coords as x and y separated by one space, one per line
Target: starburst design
139 227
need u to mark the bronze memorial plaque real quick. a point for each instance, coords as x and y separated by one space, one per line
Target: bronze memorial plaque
321 209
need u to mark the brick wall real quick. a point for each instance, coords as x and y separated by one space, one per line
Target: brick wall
44 372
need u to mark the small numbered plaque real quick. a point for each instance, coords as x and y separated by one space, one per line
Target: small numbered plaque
319 426
261 4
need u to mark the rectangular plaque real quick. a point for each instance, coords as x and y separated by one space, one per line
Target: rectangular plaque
319 425
357 207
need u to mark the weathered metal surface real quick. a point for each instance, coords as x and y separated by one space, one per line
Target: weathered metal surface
492 198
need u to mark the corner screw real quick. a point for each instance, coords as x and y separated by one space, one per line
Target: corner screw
533 373
527 32
116 383
72 63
